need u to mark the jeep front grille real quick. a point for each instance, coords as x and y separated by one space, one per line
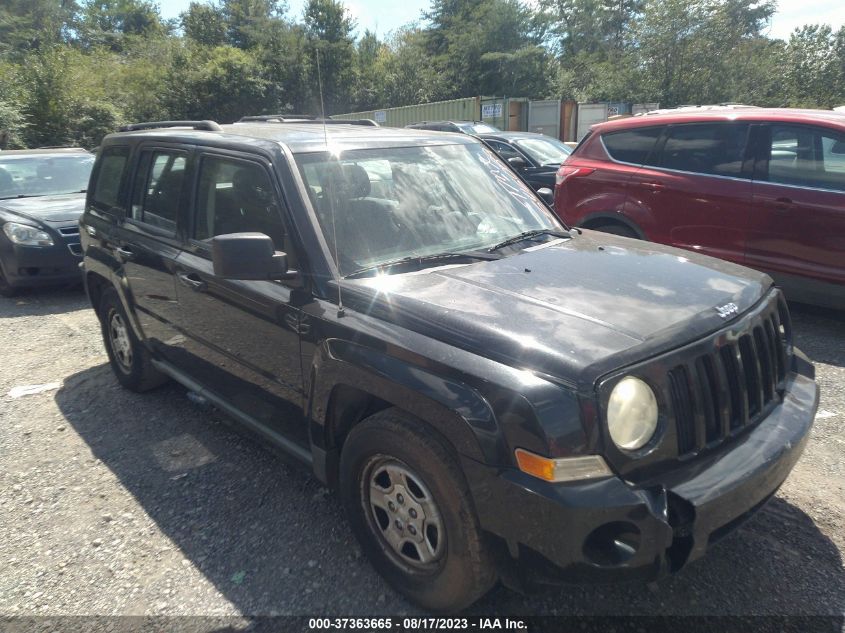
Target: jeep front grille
734 385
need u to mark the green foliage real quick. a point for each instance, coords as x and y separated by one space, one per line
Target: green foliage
222 83
73 70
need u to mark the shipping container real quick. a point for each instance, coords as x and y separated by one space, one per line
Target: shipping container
467 109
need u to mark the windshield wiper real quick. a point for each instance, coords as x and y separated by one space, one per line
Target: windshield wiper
527 235
421 260
22 195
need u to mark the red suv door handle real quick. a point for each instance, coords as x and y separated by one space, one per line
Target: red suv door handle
654 186
782 205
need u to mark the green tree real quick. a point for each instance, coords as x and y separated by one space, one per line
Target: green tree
248 21
221 83
813 67
204 24
329 28
113 23
29 25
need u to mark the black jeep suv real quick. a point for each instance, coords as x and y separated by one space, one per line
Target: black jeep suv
489 392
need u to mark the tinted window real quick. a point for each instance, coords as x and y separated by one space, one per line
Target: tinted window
157 194
631 146
236 196
808 157
108 178
504 150
708 148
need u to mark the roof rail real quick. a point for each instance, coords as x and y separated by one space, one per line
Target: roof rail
276 118
208 126
304 119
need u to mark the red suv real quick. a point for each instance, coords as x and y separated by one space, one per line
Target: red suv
760 187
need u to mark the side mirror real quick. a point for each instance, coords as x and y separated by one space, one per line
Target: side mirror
547 195
518 162
248 256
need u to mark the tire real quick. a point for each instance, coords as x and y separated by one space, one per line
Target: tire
130 361
444 564
617 229
5 289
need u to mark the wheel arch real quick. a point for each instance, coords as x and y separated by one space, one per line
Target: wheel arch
603 218
350 382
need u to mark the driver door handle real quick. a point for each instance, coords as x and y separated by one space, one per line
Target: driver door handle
654 186
192 281
126 254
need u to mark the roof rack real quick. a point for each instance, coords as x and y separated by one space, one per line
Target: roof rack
208 126
276 118
304 119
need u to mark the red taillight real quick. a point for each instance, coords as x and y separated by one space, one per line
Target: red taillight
571 171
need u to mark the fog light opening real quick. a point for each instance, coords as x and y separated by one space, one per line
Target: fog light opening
612 544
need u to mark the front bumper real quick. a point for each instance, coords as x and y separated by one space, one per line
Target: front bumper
609 530
28 266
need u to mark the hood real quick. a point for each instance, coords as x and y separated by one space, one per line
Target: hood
62 208
573 309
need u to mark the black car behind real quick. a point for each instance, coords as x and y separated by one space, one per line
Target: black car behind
42 195
536 157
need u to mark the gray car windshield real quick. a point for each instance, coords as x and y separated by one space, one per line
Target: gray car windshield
43 175
545 151
384 204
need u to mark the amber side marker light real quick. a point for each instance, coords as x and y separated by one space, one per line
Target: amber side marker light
563 468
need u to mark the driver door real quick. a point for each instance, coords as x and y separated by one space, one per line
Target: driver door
241 337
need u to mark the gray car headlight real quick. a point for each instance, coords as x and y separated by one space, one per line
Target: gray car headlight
631 414
26 235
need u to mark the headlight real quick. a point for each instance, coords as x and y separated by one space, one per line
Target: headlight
631 414
26 235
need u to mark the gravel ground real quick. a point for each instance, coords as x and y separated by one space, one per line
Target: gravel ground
115 503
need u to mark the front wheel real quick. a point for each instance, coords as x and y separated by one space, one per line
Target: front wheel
6 289
130 361
411 510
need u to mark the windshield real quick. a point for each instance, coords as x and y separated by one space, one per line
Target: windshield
389 203
478 128
545 151
43 175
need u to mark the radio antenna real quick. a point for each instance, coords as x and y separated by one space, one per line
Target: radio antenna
340 311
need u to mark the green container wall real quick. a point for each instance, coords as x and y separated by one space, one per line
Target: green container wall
467 109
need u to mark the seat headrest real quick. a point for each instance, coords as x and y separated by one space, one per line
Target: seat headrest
359 181
250 185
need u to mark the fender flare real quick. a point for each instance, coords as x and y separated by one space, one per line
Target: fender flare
454 409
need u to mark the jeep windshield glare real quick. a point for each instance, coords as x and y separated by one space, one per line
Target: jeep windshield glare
430 203
25 176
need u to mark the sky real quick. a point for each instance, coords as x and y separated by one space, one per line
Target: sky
383 16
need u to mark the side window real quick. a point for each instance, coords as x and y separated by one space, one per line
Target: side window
807 157
708 148
236 196
632 146
107 176
504 150
157 194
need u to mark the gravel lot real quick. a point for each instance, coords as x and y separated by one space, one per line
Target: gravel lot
124 504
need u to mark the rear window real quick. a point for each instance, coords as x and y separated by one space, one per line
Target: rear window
632 146
707 148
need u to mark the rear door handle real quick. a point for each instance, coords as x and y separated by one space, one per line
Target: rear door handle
654 186
124 253
192 281
783 205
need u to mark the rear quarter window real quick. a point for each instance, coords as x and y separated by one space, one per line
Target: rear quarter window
631 146
107 178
